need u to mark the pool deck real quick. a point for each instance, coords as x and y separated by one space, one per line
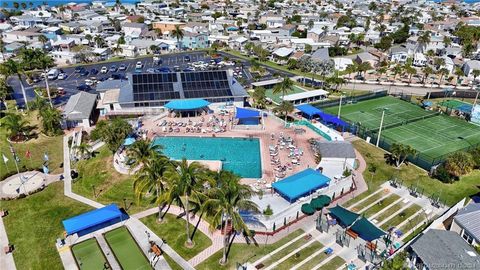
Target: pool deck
272 125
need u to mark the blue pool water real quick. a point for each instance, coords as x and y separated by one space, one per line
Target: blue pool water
239 155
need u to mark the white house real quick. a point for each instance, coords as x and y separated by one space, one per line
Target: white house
336 157
419 60
470 66
79 110
341 63
398 54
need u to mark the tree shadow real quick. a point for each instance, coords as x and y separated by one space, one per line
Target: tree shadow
196 225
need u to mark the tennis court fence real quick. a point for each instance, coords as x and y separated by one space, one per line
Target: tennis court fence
422 160
408 121
350 99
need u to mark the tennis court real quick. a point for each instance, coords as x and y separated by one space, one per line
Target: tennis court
89 255
126 250
368 113
436 136
457 105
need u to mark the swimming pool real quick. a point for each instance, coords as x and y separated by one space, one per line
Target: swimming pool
239 155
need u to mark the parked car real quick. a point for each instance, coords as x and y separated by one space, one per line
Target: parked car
84 87
150 70
84 73
89 82
53 74
78 69
104 70
62 76
176 68
113 68
61 91
122 67
186 58
157 60
94 71
139 65
165 69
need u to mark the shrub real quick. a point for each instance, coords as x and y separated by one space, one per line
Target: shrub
268 211
442 174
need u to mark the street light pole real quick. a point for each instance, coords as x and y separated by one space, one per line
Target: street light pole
380 129
340 106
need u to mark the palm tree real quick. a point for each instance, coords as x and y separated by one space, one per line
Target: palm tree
178 34
351 69
16 127
141 151
259 97
150 178
285 107
225 200
99 41
424 39
51 118
45 61
426 71
400 153
442 72
186 180
89 38
475 74
2 48
410 71
4 92
459 163
83 150
10 68
459 73
284 87
117 49
381 71
43 39
292 63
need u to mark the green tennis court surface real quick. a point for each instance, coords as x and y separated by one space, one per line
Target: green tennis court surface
89 255
436 136
457 105
369 113
126 250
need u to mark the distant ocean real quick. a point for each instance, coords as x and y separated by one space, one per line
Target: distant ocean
63 2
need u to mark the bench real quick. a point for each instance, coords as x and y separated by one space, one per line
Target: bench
352 234
156 250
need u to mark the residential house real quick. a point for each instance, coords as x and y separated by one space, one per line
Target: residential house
419 60
238 43
194 40
282 53
398 55
80 110
439 249
167 26
315 33
467 223
52 32
71 27
341 63
366 57
320 55
65 57
436 44
21 36
133 30
470 66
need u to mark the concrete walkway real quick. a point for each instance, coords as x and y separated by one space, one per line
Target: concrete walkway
6 260
107 252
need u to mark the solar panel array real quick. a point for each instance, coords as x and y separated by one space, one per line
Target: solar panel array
149 87
206 84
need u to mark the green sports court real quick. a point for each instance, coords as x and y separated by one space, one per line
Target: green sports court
88 255
126 250
433 135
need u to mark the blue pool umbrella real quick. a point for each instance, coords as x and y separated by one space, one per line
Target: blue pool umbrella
129 141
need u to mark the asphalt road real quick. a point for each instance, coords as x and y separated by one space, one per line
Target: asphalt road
75 79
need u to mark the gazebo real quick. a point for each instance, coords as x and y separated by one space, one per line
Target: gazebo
187 106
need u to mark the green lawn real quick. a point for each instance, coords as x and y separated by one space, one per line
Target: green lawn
35 222
420 218
390 211
404 215
412 175
37 147
315 261
240 253
173 230
171 262
126 250
89 255
300 256
333 264
110 186
380 205
284 252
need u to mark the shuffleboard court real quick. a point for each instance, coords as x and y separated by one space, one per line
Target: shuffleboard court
88 255
126 250
369 113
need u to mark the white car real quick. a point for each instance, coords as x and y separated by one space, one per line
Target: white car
104 70
62 76
89 82
139 65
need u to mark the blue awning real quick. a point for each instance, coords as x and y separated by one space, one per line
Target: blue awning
309 110
92 218
186 104
301 184
332 119
242 113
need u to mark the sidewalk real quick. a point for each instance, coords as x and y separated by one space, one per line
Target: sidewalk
6 260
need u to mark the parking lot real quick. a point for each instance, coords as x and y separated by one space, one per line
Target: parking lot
172 62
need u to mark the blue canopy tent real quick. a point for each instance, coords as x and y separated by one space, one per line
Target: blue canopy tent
309 110
92 219
247 116
333 120
300 184
186 104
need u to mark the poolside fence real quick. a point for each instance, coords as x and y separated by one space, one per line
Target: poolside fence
350 99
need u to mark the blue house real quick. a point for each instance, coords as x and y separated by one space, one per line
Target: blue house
52 32
194 41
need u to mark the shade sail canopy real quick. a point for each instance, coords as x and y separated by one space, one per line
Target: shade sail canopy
320 202
309 110
367 230
301 184
129 141
242 113
332 119
92 218
343 215
186 104
307 209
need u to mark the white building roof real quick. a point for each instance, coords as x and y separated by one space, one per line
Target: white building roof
304 95
283 52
